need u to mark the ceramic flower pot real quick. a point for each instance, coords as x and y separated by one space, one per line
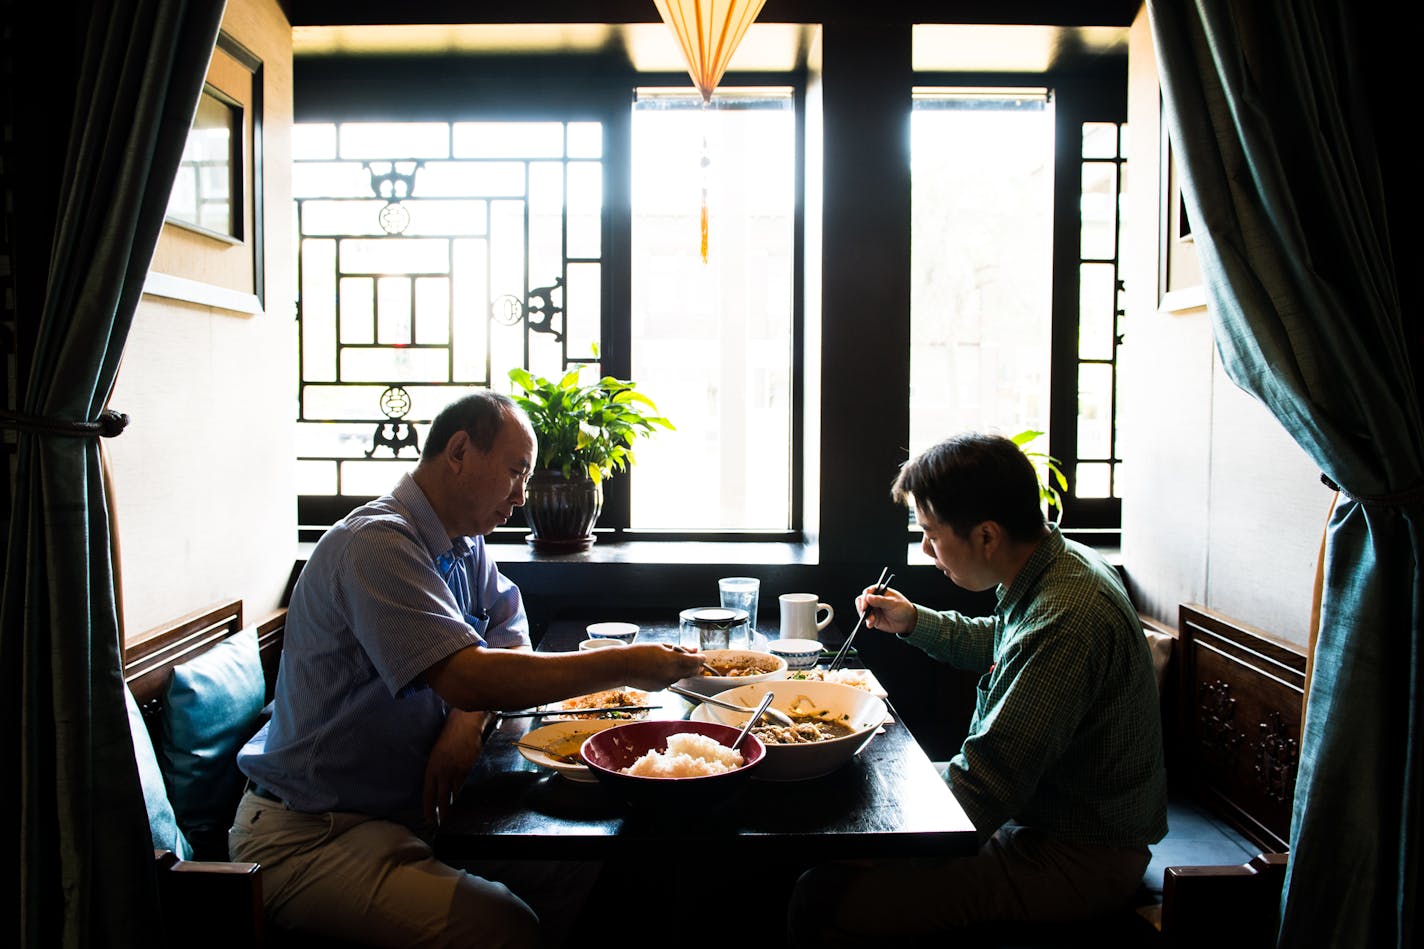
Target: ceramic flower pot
561 511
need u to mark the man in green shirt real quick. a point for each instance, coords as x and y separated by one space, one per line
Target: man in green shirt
1062 771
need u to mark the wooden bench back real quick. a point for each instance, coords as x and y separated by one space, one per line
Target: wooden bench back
149 658
1239 695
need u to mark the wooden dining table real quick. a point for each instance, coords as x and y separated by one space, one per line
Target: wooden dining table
887 801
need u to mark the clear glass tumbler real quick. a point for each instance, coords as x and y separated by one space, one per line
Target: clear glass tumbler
742 593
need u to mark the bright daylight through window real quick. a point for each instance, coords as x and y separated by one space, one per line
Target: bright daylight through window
981 259
712 341
436 256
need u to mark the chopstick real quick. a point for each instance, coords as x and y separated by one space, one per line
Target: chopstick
885 577
705 664
581 712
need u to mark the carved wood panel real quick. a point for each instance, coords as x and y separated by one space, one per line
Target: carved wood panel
1240 718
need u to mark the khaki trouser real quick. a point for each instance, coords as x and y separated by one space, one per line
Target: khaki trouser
371 881
1019 874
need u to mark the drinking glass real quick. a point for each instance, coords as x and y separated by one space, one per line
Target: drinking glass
741 593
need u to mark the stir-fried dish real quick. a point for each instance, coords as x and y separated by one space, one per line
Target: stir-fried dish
591 705
808 724
857 678
739 666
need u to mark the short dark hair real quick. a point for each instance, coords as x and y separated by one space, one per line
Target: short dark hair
480 415
972 478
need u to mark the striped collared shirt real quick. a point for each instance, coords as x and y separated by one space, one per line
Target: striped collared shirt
353 721
1066 734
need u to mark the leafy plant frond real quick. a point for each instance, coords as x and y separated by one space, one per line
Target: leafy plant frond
1051 481
586 428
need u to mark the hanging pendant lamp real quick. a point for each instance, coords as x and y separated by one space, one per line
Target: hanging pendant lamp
709 32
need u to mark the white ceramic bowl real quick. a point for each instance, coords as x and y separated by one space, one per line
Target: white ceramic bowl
863 712
623 632
771 667
798 653
563 738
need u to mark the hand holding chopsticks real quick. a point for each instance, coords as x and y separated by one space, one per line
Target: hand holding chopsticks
880 585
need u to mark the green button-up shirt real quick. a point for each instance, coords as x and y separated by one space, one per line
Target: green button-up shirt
1066 735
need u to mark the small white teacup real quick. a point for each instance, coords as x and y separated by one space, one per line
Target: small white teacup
800 654
605 643
624 633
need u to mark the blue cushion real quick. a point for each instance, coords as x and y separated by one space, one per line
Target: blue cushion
212 706
162 824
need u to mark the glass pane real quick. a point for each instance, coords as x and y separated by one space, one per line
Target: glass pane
358 310
584 309
344 179
393 311
1095 423
981 267
712 341
1099 140
342 402
1092 480
445 218
475 179
393 365
585 209
313 141
394 140
585 140
1099 209
316 477
472 310
509 139
394 255
432 310
336 439
1097 298
351 217
318 306
364 402
373 478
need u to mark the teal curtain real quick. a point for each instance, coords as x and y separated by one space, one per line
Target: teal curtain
1275 112
122 80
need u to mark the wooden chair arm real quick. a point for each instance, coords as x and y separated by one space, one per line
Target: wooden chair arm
1224 905
210 903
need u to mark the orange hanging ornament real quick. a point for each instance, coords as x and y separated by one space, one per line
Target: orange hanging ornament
709 32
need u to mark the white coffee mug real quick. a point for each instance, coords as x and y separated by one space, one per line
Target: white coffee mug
800 615
588 644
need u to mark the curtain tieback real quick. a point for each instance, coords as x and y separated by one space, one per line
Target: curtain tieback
1409 497
107 425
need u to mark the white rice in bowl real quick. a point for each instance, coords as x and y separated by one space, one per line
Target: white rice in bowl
688 755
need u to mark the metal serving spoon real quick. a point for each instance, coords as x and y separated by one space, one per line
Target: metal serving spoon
762 706
774 715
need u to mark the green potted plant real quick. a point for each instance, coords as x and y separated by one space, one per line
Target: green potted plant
585 433
1051 482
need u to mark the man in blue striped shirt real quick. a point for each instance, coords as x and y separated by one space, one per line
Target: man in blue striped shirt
400 635
1062 770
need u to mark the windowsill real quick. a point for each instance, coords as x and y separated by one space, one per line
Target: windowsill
653 553
667 552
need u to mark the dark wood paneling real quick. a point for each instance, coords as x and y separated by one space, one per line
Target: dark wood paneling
1241 694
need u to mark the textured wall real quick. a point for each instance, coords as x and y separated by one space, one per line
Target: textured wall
1222 507
203 475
